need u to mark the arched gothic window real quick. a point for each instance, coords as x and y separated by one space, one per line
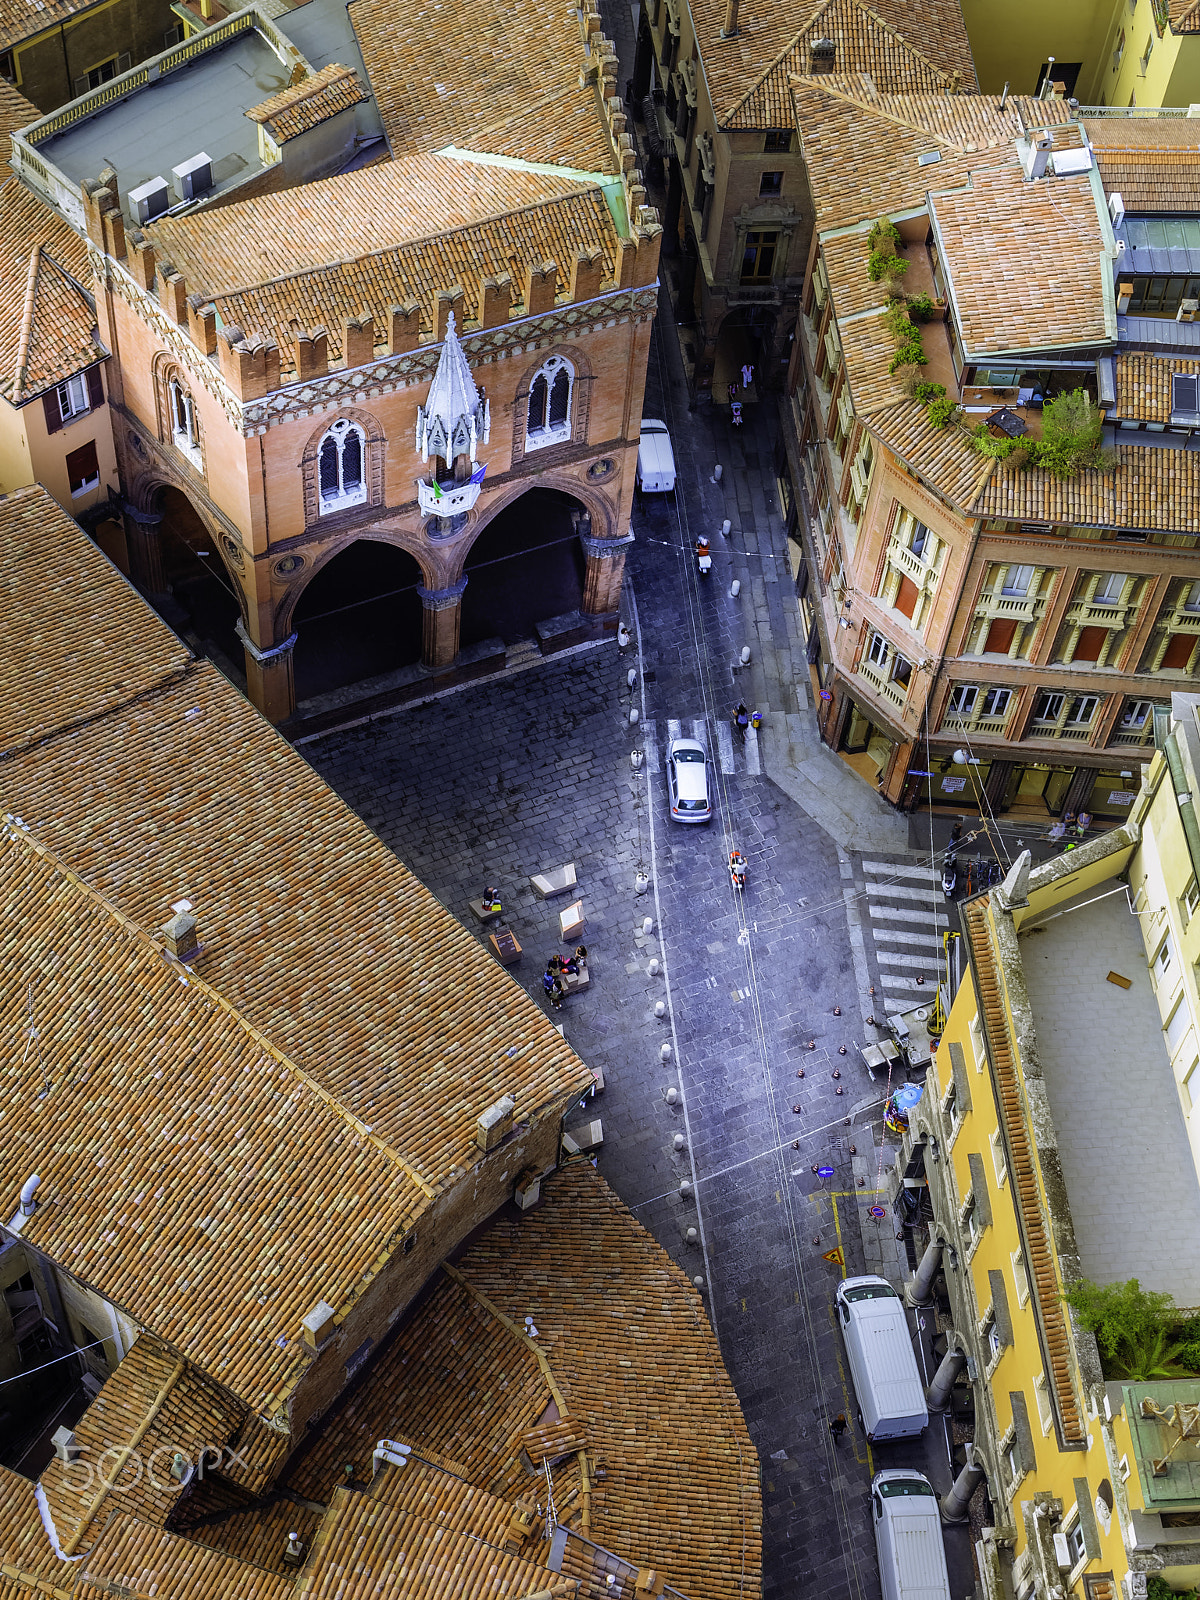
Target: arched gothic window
185 427
550 404
340 461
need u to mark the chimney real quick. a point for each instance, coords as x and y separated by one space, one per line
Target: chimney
495 1123
202 324
822 56
97 199
449 300
497 299
626 263
358 341
731 27
586 278
540 287
312 353
179 935
317 1326
404 327
1039 156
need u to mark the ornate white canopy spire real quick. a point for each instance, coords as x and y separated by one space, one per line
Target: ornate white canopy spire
454 418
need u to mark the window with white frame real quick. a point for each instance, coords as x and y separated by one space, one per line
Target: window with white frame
1049 706
73 397
999 1159
950 1107
878 649
1123 1468
1074 1533
1191 597
1189 900
1020 1277
1136 713
340 466
977 1043
991 1335
1110 586
1083 709
549 419
1164 956
1178 1024
996 702
970 1220
1188 1086
185 426
1012 1460
962 700
1016 581
1045 1407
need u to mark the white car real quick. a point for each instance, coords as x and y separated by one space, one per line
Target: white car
656 459
687 781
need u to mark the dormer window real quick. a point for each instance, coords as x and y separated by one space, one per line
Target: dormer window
340 464
550 405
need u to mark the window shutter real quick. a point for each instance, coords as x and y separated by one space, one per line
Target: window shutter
53 411
979 1188
95 387
1022 1430
1087 1519
1000 1306
958 1071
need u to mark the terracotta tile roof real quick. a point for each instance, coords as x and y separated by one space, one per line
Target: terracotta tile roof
355 217
1155 490
189 1415
861 147
1184 16
15 112
1144 384
1153 163
436 86
944 457
47 318
19 20
171 1206
135 1559
257 1534
307 104
865 43
551 1440
870 39
24 1547
1026 262
102 650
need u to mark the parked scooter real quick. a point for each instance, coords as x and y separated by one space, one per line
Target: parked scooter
703 558
737 868
949 876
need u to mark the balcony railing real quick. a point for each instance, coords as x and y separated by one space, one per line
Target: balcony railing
1135 736
881 683
1182 619
910 563
1084 614
446 500
1024 607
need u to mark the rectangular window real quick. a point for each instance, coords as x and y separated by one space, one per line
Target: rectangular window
922 543
1123 1468
995 702
1017 581
83 469
1083 709
1075 1542
1163 957
999 1159
1187 1087
778 141
970 1221
991 1336
1189 900
1136 712
8 69
1177 1026
1045 1410
1049 706
1020 1277
73 397
770 183
950 1107
1184 393
1110 586
758 258
977 1044
1191 597
901 670
877 650
962 700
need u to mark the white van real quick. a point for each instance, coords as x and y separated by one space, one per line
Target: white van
891 1397
908 1537
656 459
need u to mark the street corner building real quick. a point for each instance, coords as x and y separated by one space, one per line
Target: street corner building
373 311
1056 1141
992 436
297 1293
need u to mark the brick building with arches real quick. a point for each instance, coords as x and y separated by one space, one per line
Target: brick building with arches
274 345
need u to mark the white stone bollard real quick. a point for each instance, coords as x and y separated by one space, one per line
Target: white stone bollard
647 924
652 969
685 1190
660 1008
717 471
678 1141
692 1235
634 713
641 882
631 677
735 588
671 1096
745 655
725 527
665 1052
635 760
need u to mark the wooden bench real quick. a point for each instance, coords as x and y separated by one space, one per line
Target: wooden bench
484 914
570 921
547 884
504 943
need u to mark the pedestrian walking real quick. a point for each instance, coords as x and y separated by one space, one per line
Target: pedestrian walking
955 836
747 375
741 720
838 1426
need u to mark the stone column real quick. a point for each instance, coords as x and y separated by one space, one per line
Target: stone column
605 573
953 1504
144 542
948 1370
917 1289
269 681
442 616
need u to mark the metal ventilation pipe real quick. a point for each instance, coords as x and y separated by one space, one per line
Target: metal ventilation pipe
28 1189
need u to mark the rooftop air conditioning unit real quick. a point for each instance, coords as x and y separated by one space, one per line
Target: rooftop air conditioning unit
1187 310
193 177
1116 209
149 200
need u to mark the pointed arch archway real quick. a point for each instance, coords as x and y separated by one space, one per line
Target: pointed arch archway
524 566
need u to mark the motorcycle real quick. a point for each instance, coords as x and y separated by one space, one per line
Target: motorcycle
703 560
949 877
737 869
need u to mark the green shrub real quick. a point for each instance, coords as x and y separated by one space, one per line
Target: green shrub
920 306
1072 433
1134 1327
884 235
908 355
1157 1588
883 264
925 392
941 411
901 327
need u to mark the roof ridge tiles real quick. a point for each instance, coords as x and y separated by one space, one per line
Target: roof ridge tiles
26 330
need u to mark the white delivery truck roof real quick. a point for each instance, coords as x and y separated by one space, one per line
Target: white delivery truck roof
656 458
882 1362
908 1535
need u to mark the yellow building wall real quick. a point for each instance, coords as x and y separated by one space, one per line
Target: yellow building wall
1010 44
48 452
1168 76
1019 1364
15 467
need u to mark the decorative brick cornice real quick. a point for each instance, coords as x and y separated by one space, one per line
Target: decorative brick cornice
359 385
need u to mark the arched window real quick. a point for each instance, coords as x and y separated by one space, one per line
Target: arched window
185 428
550 404
340 466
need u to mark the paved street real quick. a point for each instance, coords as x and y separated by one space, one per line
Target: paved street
521 774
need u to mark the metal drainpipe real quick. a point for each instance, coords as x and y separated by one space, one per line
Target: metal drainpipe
1184 800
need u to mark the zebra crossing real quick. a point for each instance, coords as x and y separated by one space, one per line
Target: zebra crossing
906 914
728 750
